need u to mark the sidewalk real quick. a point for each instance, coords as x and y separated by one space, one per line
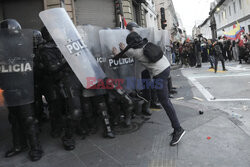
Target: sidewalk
149 145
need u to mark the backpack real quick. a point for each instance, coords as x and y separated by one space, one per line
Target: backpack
217 50
152 52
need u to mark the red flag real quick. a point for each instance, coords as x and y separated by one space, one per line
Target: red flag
234 26
124 22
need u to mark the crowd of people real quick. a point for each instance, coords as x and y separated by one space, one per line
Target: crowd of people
193 53
72 109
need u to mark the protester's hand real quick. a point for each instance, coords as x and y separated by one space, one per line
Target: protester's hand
122 46
114 51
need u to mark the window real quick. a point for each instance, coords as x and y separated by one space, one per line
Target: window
234 7
240 4
229 8
223 15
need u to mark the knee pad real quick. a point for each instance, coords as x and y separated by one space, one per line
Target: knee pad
101 106
87 109
76 114
30 120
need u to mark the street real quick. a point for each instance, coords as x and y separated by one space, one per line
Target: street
218 136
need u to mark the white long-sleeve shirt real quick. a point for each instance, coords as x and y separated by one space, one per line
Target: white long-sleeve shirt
154 68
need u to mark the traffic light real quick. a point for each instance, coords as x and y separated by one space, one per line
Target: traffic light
163 24
163 19
118 7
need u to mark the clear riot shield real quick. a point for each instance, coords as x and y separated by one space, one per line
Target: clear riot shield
90 35
124 68
69 41
165 37
16 67
158 38
144 33
166 44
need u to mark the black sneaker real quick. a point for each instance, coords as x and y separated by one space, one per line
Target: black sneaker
177 135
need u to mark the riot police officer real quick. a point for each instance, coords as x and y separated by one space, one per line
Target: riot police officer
17 83
94 106
63 92
38 79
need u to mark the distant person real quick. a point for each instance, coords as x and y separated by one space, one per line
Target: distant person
217 47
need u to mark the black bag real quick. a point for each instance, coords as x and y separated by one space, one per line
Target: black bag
217 49
152 52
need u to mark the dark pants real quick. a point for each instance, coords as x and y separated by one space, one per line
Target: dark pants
229 55
211 60
146 93
24 126
149 93
221 58
163 96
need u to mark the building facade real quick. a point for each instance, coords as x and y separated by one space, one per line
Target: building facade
96 12
231 11
150 14
224 14
205 29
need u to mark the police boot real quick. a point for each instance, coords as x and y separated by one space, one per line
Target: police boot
36 151
145 109
128 117
19 140
108 133
68 140
15 150
107 128
128 113
19 145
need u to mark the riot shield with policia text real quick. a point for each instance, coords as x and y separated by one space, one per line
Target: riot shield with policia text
16 67
123 68
90 35
71 45
76 53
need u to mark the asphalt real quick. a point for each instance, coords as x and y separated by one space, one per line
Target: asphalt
213 139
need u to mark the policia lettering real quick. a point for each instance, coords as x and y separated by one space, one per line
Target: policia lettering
21 67
121 61
75 46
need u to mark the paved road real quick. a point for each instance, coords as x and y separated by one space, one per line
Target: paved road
214 139
228 91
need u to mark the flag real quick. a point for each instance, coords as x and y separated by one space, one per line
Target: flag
124 22
234 33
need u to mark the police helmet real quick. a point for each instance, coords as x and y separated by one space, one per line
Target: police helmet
131 25
10 24
37 37
46 35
